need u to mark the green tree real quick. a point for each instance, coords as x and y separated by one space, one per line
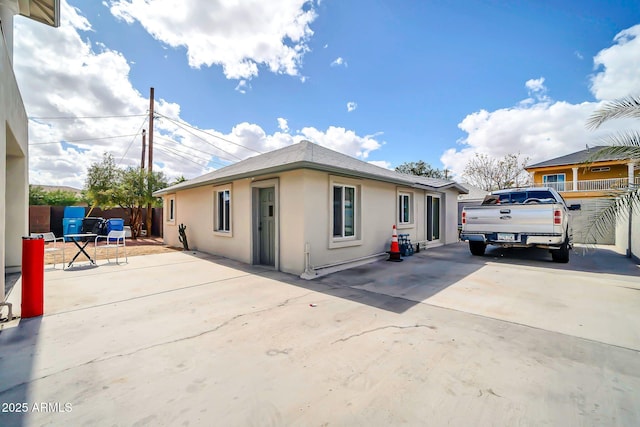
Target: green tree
130 188
61 198
36 195
134 190
491 174
101 181
623 145
178 180
421 168
39 196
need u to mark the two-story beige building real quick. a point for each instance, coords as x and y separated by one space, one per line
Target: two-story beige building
306 209
14 152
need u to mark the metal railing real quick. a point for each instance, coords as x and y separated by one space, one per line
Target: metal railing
611 184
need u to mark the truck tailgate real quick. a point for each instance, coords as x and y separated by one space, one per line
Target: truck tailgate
530 218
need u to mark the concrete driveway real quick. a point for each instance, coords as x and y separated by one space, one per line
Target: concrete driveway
442 338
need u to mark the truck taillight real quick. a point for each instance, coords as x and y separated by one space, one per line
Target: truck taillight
557 217
464 217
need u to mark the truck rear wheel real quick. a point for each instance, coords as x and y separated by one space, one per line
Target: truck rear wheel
562 254
477 248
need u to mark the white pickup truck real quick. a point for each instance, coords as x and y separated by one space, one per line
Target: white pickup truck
524 217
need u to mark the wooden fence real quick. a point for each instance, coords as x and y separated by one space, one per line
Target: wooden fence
49 218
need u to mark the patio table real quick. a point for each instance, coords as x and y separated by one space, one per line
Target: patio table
81 238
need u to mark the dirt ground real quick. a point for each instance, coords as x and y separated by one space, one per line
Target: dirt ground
141 246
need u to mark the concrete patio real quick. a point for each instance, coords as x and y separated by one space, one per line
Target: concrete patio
185 338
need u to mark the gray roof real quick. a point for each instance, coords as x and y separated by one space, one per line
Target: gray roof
577 158
307 155
475 193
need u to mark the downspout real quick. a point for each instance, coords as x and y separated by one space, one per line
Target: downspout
629 252
308 270
631 183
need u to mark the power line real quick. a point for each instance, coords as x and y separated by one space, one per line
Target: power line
133 139
211 134
85 117
196 149
173 152
80 140
201 138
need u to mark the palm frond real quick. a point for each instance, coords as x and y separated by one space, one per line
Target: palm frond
599 224
622 145
627 107
627 142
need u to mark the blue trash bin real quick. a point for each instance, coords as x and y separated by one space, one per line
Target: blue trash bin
115 224
71 226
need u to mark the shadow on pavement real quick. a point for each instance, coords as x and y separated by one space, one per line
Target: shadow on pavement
397 287
583 259
19 348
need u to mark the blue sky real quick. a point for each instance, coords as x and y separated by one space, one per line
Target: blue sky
384 81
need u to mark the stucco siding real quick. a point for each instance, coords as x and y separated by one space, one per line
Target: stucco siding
292 196
622 234
451 217
14 182
195 209
304 214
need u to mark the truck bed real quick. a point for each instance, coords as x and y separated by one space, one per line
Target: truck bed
511 218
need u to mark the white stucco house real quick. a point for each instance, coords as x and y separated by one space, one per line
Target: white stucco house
306 209
14 152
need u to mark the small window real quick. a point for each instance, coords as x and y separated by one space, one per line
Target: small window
223 211
344 207
171 210
601 169
404 208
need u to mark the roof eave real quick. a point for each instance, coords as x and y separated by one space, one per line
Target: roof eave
44 11
306 165
277 169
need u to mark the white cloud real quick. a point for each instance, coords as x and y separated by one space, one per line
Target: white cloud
282 124
342 140
243 86
351 106
541 128
239 36
536 85
338 62
381 163
71 77
618 65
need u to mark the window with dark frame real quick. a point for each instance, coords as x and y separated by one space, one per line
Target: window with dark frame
344 215
223 202
172 209
404 208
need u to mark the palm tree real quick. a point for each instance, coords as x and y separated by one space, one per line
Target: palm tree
622 145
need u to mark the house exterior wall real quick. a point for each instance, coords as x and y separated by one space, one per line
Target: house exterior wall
623 229
14 187
304 216
617 169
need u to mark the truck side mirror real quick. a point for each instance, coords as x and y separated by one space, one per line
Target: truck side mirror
575 207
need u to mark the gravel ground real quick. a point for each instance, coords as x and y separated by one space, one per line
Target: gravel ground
133 248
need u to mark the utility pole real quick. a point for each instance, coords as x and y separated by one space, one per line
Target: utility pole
151 104
149 207
144 148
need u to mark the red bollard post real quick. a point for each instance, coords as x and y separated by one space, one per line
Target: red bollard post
32 277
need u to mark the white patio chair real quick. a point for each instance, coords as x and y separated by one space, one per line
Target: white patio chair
51 238
115 240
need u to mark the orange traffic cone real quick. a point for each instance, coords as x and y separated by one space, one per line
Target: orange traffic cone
394 251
